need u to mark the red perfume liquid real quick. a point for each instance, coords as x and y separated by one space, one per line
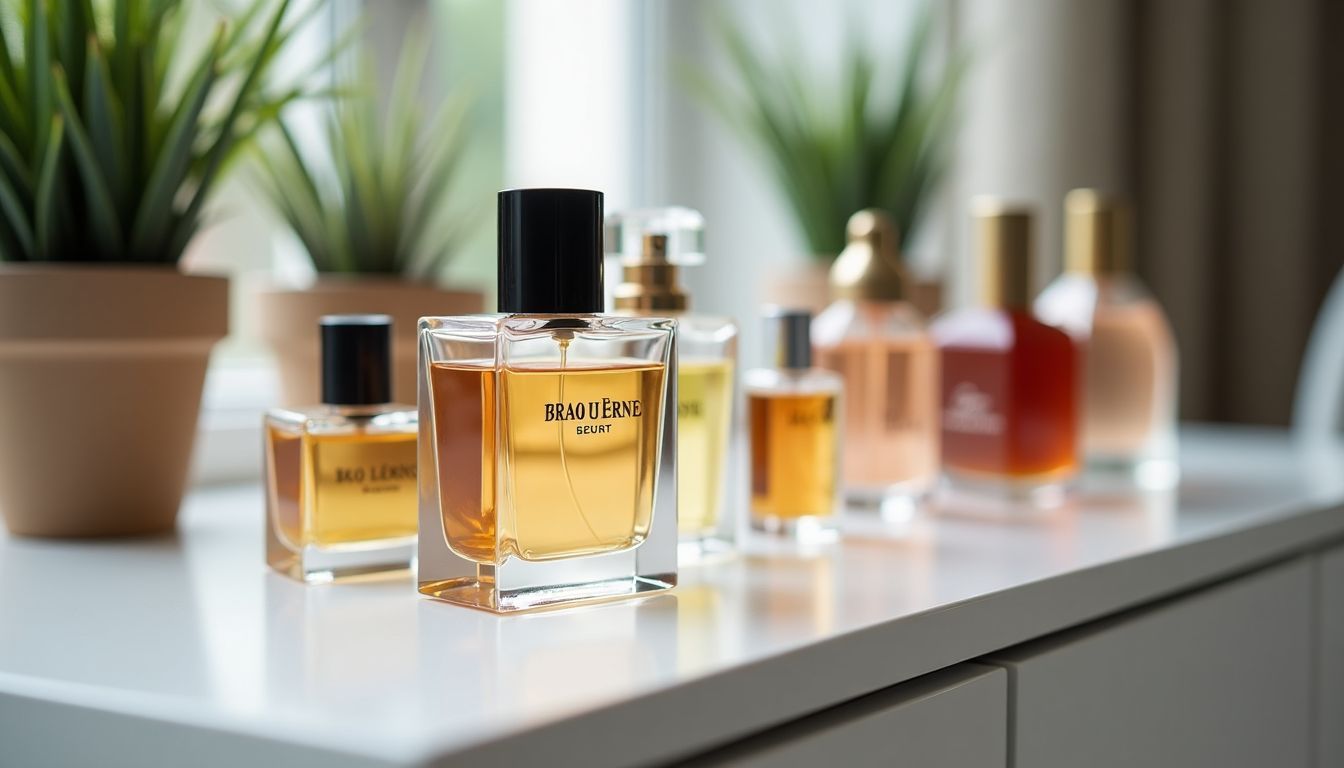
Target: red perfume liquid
1009 399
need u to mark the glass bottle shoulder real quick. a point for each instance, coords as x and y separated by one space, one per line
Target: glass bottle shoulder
992 328
847 320
546 340
1073 300
777 381
390 418
495 324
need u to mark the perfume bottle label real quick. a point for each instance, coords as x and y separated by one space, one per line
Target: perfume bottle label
363 487
971 411
376 478
811 414
606 408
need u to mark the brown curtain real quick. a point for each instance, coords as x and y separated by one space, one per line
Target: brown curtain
1238 111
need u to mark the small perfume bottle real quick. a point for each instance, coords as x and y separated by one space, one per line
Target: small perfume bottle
547 431
652 245
878 344
1009 394
340 477
795 430
1129 372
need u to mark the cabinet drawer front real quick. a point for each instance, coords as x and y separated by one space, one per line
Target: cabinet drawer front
1219 678
955 718
1330 680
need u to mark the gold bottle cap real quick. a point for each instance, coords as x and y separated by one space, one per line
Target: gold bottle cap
1096 233
869 268
653 244
650 283
1003 231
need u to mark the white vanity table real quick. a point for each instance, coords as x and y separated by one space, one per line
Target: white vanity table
1198 628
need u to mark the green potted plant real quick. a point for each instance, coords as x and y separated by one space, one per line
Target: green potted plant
369 209
835 148
109 152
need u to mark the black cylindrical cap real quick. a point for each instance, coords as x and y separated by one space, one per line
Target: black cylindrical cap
550 251
356 359
789 332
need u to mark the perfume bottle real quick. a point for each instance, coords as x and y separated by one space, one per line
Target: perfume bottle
1129 369
795 428
878 344
340 477
547 431
652 245
1009 393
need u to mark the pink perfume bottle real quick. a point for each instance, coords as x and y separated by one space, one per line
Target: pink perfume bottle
879 345
1129 355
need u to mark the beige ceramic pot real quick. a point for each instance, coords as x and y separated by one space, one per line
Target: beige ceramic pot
101 370
289 323
806 286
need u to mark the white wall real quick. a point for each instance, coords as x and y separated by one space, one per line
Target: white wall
1044 113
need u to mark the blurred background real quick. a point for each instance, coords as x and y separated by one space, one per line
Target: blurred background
1214 118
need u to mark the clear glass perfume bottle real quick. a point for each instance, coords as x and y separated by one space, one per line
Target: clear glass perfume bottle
1129 354
341 476
548 431
879 345
1009 393
653 245
796 424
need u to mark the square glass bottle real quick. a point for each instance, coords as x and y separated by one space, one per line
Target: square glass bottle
340 477
796 426
1009 393
879 345
652 245
548 431
1129 353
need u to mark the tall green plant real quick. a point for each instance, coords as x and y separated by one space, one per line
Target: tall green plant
839 148
109 148
385 212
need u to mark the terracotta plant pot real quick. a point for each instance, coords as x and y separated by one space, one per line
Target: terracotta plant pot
101 370
289 321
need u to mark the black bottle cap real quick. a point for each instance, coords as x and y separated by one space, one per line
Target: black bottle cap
790 334
356 359
550 251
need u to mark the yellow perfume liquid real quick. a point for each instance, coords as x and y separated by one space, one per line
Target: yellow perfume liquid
704 404
571 471
342 489
793 454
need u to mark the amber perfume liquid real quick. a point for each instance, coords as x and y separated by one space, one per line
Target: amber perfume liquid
576 447
1009 401
704 419
549 471
795 451
341 492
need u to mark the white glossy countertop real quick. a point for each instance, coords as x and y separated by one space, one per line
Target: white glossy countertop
195 646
